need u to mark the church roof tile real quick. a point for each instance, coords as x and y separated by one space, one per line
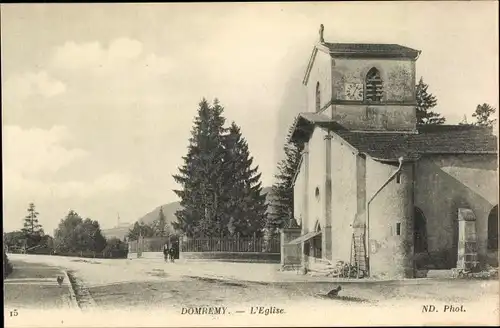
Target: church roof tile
447 139
389 146
392 50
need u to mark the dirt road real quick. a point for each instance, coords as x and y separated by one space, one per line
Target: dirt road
148 285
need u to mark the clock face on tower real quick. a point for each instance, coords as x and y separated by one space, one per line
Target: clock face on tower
353 91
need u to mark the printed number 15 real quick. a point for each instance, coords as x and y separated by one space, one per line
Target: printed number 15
14 313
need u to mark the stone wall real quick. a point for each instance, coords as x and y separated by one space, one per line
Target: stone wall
375 117
231 257
444 183
396 111
398 77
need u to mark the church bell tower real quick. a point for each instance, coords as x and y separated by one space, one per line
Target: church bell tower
363 86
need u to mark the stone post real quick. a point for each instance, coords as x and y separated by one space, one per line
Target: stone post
467 240
290 254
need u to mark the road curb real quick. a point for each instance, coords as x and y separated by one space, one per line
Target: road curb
83 297
72 296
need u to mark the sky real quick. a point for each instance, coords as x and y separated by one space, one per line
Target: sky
98 100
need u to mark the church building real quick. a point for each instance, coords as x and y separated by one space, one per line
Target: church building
375 189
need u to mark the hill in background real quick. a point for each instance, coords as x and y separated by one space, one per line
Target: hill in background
169 210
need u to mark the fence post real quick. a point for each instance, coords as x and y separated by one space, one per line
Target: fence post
254 242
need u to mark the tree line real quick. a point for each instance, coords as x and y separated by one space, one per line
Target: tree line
74 235
159 228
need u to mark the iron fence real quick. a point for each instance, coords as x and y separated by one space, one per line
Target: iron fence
152 244
228 244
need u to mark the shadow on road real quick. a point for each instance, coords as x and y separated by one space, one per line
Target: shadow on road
158 273
345 298
218 281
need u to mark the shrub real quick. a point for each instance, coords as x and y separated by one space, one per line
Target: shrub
7 266
115 248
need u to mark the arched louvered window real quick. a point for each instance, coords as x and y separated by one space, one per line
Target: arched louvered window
318 97
373 86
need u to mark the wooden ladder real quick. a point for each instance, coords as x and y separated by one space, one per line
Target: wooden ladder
358 253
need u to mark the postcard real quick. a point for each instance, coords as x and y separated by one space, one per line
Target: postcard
250 164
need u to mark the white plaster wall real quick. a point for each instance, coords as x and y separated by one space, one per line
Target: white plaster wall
317 178
321 72
344 198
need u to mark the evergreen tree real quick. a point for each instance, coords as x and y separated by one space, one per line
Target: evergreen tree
282 190
32 229
245 203
201 176
160 226
140 229
31 225
425 102
482 115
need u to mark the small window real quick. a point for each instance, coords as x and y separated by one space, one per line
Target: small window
373 86
398 177
316 193
398 229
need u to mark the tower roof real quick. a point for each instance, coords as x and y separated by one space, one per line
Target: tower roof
370 50
359 50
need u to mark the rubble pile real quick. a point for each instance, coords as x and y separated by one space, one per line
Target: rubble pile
488 272
340 270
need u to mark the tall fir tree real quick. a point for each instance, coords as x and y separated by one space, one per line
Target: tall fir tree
245 203
161 229
282 191
201 175
425 102
32 229
140 229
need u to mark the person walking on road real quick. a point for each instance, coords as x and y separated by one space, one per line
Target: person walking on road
171 254
166 252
